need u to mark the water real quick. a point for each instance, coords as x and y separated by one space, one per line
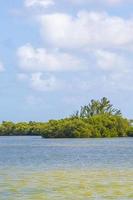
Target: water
36 168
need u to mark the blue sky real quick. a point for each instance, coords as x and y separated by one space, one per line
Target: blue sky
56 55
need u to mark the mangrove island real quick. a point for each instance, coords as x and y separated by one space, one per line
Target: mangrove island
98 119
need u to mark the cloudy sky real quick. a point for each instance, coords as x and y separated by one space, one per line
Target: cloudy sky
56 55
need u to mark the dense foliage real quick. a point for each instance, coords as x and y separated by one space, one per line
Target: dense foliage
97 119
102 125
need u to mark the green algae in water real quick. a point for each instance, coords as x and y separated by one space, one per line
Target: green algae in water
66 184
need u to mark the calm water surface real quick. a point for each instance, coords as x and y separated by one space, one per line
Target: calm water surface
36 168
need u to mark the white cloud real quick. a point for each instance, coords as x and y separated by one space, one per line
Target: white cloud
47 3
118 81
39 83
1 67
39 59
119 70
40 3
111 2
22 76
87 30
110 61
104 36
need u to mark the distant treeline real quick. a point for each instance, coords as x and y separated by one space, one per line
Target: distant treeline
98 119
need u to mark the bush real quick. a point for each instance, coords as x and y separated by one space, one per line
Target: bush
130 132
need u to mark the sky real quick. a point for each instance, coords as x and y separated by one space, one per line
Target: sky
56 55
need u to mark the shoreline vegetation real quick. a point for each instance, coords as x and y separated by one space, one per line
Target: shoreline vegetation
98 119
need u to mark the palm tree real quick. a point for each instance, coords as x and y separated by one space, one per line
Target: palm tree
96 107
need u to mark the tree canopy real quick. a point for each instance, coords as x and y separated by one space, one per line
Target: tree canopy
96 107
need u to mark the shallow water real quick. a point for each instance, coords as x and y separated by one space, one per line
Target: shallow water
62 169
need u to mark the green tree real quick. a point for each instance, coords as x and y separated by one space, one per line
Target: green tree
96 107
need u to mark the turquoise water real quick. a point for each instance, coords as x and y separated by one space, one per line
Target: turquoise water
36 168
